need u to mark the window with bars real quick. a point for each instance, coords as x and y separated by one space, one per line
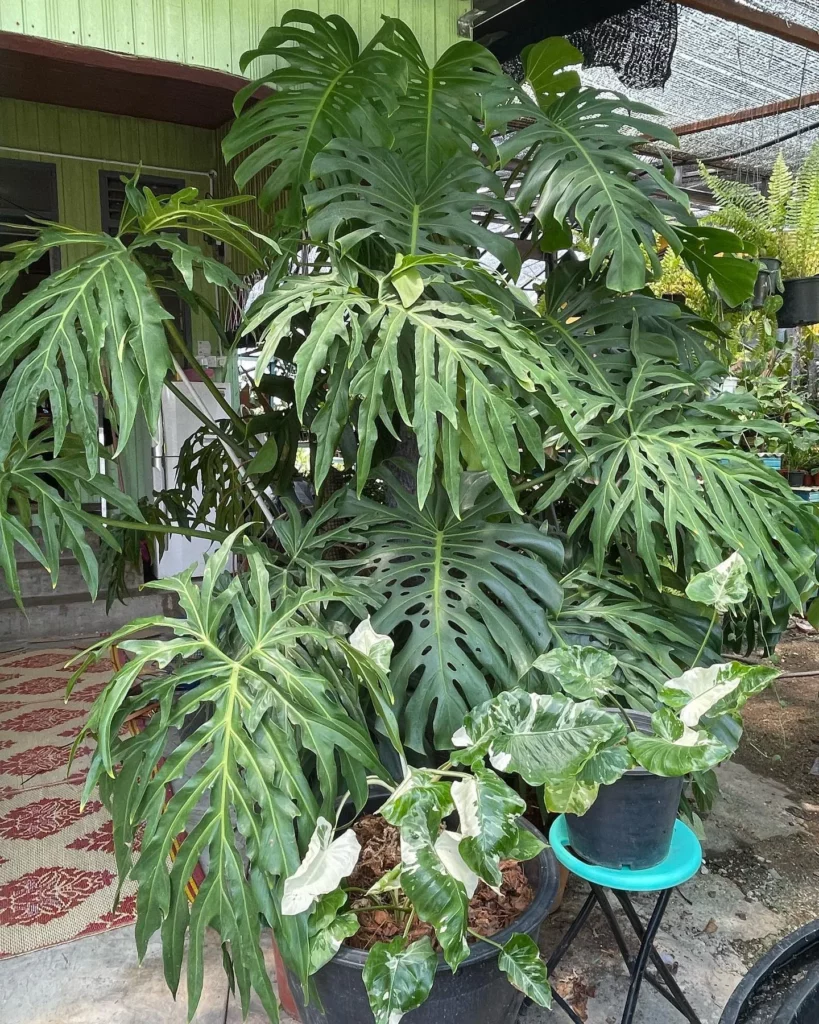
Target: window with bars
28 189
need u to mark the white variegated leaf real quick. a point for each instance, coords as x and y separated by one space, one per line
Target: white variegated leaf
326 862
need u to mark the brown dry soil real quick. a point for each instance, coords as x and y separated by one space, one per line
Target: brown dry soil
489 912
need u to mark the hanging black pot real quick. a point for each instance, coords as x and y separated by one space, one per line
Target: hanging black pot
768 280
631 822
800 302
770 990
478 992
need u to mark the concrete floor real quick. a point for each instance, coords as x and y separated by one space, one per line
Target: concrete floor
96 980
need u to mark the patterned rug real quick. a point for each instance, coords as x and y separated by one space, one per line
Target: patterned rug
57 870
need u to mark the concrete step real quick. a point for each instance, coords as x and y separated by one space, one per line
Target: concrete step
36 582
56 617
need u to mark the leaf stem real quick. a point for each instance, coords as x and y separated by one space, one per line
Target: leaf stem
705 638
409 923
483 938
182 531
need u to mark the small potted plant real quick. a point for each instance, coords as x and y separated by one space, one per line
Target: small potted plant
783 227
616 773
430 902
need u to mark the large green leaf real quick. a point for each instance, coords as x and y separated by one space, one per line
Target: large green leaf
323 85
99 311
543 738
264 706
427 215
398 977
461 375
582 148
438 115
469 598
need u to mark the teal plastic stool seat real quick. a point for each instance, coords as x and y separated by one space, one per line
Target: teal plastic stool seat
682 862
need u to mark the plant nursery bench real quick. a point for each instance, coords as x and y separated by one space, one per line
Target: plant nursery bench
682 862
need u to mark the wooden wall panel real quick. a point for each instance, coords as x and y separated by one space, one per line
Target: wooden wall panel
212 33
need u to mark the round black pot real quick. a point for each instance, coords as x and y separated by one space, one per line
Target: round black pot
478 992
631 822
796 478
769 992
800 302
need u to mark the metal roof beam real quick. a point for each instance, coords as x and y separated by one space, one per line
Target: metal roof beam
810 99
753 18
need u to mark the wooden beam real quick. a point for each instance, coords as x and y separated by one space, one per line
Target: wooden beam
810 99
753 18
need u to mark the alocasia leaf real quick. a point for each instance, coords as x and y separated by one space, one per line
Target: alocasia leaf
488 810
328 929
326 862
543 738
521 962
675 749
417 809
722 587
716 690
398 977
583 672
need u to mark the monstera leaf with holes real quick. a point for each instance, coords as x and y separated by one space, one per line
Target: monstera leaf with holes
467 598
46 494
274 747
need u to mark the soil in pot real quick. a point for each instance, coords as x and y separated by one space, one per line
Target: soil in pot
631 822
477 992
489 912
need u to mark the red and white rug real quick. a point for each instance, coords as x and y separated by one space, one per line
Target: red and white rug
58 876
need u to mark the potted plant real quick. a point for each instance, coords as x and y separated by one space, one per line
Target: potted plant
783 226
485 477
430 902
618 773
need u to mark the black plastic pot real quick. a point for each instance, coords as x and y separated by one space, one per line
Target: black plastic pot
800 302
478 992
796 478
768 281
783 987
631 822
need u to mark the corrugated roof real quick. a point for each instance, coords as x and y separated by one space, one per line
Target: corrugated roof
720 67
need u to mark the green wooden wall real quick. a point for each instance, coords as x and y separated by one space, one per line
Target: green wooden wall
212 33
30 131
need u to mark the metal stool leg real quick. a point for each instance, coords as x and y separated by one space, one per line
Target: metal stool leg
642 957
677 996
572 932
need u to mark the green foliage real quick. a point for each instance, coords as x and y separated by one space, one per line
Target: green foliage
521 962
785 223
280 734
469 597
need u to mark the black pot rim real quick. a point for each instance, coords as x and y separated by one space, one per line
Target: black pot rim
779 956
536 912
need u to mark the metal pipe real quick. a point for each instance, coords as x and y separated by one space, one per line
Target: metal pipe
211 175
